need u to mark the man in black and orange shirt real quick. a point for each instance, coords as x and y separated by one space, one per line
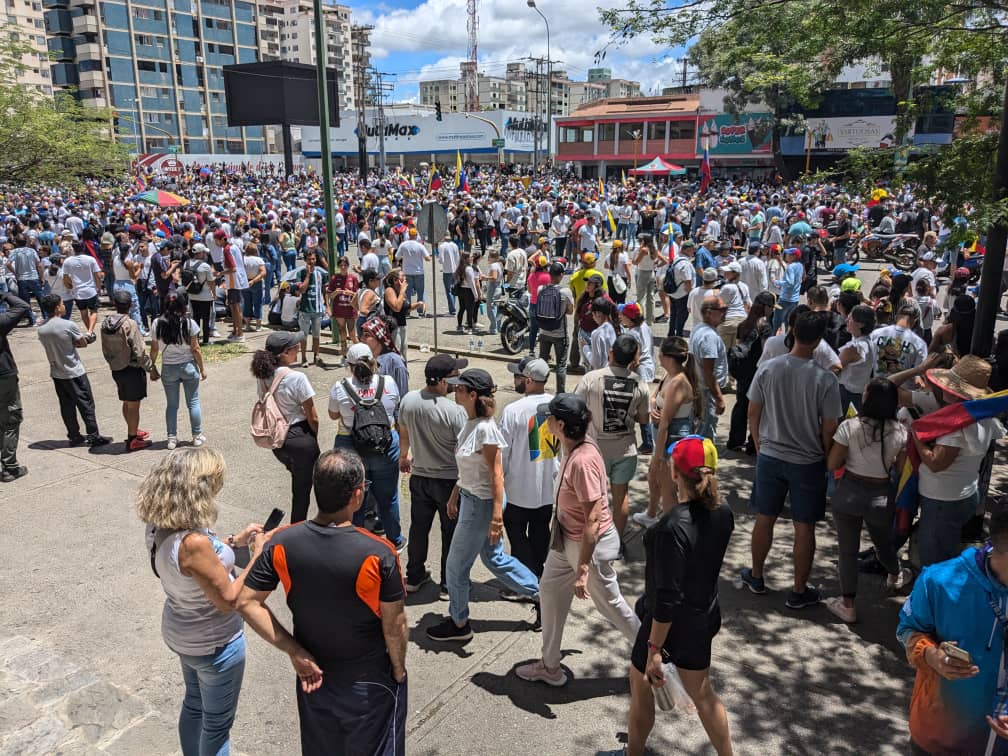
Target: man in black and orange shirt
345 590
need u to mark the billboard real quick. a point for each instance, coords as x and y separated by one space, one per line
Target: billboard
849 133
260 94
424 134
742 134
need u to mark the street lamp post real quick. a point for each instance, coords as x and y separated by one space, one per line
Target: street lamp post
549 84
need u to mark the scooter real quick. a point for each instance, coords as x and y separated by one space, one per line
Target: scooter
514 314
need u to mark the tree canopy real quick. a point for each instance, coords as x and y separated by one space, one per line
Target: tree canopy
50 139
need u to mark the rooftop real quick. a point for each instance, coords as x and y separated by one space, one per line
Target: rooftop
621 106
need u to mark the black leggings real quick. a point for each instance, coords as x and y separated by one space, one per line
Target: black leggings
467 306
298 455
201 314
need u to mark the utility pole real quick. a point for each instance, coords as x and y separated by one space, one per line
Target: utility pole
360 73
378 91
323 105
537 77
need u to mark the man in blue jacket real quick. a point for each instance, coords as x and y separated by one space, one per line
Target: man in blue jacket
959 705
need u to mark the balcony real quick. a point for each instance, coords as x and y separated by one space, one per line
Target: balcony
82 3
85 25
89 79
89 51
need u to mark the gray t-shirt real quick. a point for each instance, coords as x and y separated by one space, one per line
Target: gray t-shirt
796 395
58 336
705 343
434 424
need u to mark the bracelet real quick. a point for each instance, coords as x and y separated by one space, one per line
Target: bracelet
231 541
653 647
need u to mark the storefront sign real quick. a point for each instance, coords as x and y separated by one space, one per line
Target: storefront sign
742 134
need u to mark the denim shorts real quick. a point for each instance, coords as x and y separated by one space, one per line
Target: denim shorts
621 470
776 479
310 323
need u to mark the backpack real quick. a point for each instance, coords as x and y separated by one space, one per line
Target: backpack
189 280
550 308
741 365
269 426
669 283
371 431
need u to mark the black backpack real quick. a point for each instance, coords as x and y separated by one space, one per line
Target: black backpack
189 280
669 283
550 308
371 431
742 357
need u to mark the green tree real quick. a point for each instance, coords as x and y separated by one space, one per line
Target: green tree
50 139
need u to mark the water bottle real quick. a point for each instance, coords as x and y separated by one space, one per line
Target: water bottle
424 348
472 344
479 345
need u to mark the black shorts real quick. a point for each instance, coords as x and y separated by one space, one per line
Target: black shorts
234 296
688 644
132 383
87 304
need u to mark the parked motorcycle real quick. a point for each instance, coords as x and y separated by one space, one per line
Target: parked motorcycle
513 311
900 250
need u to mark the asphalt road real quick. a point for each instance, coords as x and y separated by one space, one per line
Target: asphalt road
83 668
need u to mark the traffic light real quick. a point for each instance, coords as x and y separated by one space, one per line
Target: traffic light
437 109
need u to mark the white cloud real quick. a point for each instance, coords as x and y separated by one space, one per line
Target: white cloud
508 31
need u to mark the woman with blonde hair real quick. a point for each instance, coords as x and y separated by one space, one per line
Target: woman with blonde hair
675 407
679 611
177 503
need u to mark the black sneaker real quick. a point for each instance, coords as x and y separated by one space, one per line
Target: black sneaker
870 565
449 631
661 319
645 449
809 597
10 474
412 586
508 595
76 441
97 440
750 581
443 593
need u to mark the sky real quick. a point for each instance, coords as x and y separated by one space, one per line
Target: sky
425 39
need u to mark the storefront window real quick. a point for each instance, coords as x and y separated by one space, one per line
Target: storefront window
629 132
682 130
656 131
607 132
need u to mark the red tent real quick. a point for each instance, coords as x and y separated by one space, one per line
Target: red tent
658 167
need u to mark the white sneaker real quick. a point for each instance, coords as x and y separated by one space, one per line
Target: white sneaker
172 442
642 519
900 581
836 606
199 440
536 672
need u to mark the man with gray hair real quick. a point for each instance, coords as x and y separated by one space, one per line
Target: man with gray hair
712 356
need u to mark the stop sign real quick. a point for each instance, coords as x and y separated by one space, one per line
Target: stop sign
171 166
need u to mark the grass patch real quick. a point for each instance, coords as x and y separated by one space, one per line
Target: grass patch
222 352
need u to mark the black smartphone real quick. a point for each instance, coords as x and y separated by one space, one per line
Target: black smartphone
274 520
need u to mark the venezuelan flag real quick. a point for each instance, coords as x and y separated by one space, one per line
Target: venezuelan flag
435 181
611 221
624 177
601 188
935 425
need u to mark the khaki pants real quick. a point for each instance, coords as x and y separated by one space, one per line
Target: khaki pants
728 330
556 591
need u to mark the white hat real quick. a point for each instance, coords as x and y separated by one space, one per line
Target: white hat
359 353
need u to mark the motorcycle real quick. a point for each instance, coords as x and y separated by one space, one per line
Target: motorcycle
900 250
513 311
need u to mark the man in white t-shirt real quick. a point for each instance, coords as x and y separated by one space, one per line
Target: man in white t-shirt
448 260
897 347
368 258
83 276
339 226
926 272
558 230
736 298
412 254
515 264
530 462
588 235
683 279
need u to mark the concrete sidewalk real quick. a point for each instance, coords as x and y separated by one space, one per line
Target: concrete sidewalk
83 668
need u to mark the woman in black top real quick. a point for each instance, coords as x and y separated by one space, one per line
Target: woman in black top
679 610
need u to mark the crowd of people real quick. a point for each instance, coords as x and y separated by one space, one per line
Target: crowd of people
759 298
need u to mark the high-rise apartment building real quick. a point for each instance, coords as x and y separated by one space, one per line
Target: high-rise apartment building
158 64
24 22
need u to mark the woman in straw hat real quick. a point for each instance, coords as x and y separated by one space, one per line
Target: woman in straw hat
949 494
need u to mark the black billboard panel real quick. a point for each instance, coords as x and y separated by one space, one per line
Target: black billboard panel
277 92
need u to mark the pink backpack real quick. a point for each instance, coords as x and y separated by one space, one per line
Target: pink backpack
269 426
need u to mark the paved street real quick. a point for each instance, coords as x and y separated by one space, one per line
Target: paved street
83 668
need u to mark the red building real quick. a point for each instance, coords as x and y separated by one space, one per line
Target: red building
609 136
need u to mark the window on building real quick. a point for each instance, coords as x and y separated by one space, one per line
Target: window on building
656 131
607 132
146 65
144 39
682 129
628 132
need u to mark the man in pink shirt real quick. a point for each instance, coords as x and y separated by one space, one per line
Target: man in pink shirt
584 541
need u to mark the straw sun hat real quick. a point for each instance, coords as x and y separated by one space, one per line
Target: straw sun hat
967 379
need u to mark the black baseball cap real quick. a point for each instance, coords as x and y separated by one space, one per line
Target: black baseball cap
280 341
475 379
441 366
570 408
557 269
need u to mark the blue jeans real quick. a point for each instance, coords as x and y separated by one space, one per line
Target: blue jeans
148 303
449 280
127 285
780 317
382 471
492 288
189 377
631 241
252 301
708 423
212 685
28 288
341 244
267 283
940 529
468 542
290 258
415 284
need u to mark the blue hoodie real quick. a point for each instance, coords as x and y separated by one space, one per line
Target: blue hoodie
950 603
